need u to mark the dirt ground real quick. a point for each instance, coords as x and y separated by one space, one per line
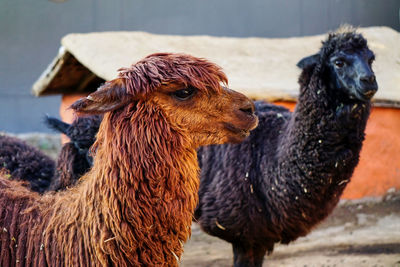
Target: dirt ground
358 233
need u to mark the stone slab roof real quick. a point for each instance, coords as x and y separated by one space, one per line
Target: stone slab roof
261 68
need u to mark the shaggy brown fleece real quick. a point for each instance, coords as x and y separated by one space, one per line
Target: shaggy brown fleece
135 206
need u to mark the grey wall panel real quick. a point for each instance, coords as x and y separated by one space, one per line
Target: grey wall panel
30 33
273 18
25 113
107 15
30 37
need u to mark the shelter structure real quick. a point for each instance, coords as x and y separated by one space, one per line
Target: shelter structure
261 68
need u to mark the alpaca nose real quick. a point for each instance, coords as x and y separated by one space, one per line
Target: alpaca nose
369 86
243 104
368 78
248 108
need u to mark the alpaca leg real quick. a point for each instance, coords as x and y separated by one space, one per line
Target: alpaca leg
248 255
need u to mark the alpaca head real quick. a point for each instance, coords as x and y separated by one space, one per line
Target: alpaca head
81 132
186 90
346 58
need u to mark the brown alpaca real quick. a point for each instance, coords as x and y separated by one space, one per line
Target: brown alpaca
135 206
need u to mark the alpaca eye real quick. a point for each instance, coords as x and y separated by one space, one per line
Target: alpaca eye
184 94
339 63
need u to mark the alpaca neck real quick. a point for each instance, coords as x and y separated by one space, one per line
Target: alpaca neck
142 190
324 131
321 145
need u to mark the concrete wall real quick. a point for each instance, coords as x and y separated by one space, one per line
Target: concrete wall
30 33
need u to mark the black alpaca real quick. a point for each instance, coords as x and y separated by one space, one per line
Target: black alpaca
27 163
74 159
289 174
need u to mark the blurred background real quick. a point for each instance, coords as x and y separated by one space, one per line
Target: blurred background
30 33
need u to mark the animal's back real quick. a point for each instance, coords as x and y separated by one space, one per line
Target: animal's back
26 162
18 213
228 187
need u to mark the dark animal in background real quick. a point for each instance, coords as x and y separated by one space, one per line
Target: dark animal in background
74 159
25 162
135 205
290 173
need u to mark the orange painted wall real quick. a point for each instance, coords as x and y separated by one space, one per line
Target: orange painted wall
379 166
66 114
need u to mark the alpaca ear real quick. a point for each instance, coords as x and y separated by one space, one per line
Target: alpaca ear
56 124
308 61
110 96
